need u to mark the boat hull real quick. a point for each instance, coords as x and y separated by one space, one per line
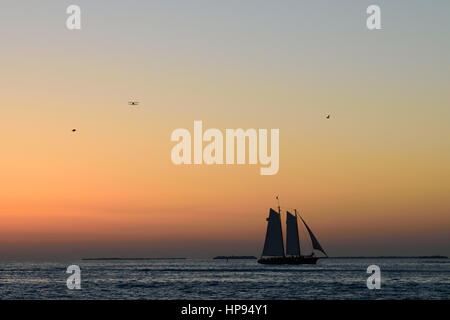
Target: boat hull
289 260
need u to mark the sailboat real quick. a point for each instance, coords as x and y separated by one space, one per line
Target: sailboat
274 253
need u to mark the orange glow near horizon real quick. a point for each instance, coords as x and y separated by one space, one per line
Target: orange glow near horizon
374 179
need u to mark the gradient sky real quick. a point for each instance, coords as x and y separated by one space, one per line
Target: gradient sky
372 180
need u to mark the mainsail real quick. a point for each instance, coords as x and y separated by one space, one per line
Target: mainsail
292 239
315 243
273 245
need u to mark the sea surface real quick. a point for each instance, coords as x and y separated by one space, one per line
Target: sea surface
218 279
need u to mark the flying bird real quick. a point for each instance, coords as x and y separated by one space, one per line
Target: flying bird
133 103
74 130
328 116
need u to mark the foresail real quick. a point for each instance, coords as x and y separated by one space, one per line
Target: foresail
292 240
273 245
315 243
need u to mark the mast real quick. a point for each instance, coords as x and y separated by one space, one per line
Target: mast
281 230
279 209
298 236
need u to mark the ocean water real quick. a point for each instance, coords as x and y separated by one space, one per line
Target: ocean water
219 279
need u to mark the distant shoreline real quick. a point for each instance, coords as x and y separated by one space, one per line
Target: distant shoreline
393 257
133 258
235 257
253 258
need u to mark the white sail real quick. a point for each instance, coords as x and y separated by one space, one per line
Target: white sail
273 245
292 239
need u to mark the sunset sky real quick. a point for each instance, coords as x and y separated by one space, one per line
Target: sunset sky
374 179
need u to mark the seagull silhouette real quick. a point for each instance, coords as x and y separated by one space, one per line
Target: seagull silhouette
73 130
133 103
328 116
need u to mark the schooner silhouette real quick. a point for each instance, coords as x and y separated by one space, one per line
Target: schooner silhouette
274 253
